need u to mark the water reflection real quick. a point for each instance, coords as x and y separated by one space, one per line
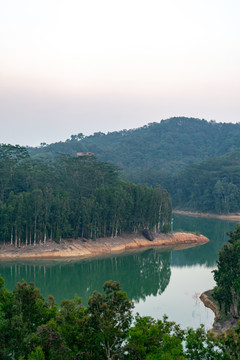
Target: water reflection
207 255
140 274
159 282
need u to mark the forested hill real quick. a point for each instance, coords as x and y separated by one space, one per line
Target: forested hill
195 160
211 186
168 145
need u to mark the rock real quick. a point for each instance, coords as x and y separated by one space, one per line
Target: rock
147 234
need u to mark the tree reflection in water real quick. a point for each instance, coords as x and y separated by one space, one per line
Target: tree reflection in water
140 274
207 254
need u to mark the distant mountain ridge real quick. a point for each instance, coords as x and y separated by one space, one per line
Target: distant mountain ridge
168 145
197 161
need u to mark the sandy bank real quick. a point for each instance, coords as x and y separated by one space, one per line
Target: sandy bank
102 246
231 217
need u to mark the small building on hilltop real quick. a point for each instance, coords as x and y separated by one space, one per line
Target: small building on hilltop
85 154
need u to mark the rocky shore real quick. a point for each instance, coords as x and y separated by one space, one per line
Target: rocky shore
103 246
221 323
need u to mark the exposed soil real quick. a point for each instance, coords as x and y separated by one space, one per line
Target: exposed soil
221 322
82 248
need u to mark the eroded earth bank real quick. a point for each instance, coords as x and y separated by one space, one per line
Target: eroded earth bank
90 248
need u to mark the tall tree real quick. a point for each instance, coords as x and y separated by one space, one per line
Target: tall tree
227 275
110 319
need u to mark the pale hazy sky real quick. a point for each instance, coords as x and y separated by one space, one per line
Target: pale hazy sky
70 66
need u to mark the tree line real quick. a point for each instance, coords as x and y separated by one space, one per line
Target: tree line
72 197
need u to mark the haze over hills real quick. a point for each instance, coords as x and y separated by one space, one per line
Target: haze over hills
176 154
168 145
211 186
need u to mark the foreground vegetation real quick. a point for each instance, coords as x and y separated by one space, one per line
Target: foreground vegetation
32 328
72 197
35 329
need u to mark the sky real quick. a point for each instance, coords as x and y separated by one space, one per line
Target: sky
71 66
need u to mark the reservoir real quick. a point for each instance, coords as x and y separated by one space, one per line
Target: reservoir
158 282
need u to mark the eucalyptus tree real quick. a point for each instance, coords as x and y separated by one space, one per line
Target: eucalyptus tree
75 196
10 157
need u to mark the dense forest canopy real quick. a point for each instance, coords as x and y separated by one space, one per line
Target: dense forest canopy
74 196
168 145
211 186
174 154
34 328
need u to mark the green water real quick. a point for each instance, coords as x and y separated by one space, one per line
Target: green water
158 282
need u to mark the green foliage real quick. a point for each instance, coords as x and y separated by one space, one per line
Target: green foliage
227 275
168 145
37 354
195 160
102 330
201 346
73 322
22 311
198 162
212 186
110 319
229 343
48 338
151 339
74 197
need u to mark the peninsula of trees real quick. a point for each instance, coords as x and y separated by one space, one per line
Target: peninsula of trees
72 197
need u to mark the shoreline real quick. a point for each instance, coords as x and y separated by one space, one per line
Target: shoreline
77 248
220 324
230 217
